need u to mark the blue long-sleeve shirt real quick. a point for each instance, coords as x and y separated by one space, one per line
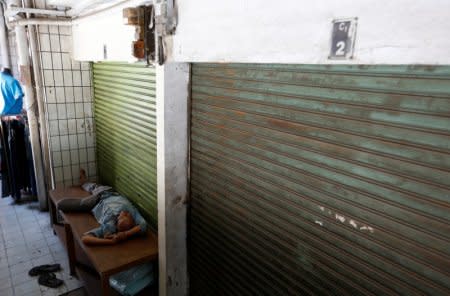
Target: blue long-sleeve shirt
11 95
107 211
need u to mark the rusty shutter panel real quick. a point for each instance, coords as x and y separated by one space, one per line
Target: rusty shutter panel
125 116
320 180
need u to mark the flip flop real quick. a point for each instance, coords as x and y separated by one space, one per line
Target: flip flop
44 269
49 280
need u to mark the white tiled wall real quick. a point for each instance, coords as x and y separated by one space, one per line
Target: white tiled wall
69 102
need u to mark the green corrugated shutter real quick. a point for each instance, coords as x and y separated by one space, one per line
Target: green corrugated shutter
125 116
320 180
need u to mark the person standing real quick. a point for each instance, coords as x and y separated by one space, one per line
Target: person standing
11 94
16 169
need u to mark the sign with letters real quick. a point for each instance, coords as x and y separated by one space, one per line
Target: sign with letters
343 38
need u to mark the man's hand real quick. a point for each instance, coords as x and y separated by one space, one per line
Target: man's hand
112 238
117 237
121 236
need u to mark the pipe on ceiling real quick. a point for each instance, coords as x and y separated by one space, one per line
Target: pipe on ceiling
41 21
12 11
75 20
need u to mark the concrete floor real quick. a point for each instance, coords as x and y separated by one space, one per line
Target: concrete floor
27 240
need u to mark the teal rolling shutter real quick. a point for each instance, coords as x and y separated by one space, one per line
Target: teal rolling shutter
320 180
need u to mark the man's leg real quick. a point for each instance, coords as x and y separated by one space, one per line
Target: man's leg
77 205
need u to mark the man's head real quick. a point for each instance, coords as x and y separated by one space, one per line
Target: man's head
125 221
6 71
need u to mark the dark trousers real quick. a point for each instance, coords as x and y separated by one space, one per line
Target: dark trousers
16 160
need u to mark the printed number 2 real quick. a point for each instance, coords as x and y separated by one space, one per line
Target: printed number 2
340 48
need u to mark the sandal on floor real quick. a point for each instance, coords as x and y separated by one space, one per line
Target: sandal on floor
49 280
44 269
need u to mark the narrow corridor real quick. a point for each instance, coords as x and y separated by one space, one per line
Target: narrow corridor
27 240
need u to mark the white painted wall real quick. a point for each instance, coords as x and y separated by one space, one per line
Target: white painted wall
299 31
91 33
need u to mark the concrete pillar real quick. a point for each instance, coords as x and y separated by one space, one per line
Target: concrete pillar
172 102
4 45
39 92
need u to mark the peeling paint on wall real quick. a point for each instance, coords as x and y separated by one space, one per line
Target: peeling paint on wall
368 228
340 218
344 220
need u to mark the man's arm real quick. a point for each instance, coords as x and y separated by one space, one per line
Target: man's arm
90 239
97 236
112 239
17 90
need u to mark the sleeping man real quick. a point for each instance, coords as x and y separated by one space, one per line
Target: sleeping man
117 217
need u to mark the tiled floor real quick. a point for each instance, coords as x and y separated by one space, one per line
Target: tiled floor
27 240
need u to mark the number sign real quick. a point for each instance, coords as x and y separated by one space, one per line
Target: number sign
343 39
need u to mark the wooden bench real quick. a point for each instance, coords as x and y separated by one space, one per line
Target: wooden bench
105 260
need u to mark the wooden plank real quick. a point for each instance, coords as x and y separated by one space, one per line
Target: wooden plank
136 250
112 259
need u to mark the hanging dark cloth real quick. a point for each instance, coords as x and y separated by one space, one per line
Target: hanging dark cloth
16 159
